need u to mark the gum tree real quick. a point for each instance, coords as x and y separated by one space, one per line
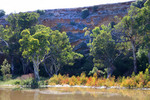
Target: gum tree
17 23
35 47
104 49
52 48
144 26
129 30
61 53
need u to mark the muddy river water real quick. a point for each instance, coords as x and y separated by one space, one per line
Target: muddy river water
66 93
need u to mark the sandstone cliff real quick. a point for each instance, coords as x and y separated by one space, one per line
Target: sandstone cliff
71 21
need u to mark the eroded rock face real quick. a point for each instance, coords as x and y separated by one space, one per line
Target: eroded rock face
71 21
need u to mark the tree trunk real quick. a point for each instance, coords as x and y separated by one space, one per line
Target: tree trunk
50 75
149 57
36 70
110 70
12 65
24 65
134 57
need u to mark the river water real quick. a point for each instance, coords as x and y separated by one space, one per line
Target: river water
66 93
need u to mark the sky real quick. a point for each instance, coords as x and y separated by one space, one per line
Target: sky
15 6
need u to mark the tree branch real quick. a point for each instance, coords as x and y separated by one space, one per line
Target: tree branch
4 42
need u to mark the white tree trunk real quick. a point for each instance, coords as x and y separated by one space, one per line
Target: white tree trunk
36 70
134 56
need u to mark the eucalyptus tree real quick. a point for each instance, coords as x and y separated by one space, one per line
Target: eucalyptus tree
61 53
17 23
21 21
42 45
129 29
104 49
144 26
35 47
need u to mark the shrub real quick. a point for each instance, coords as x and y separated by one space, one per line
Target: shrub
5 69
139 3
34 84
17 82
83 78
141 80
85 13
94 70
26 83
128 82
41 12
30 83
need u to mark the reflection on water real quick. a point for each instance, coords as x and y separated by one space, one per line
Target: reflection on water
74 94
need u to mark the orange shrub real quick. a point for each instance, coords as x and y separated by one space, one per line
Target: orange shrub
128 82
148 85
140 80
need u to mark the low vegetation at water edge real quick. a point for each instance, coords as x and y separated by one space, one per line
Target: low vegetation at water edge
140 80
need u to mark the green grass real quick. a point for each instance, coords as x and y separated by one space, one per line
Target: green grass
9 82
16 81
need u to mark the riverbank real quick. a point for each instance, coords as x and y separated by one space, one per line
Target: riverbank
20 87
139 81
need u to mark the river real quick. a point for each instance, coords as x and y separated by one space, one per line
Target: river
66 93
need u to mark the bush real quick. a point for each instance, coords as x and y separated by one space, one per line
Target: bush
85 13
139 3
2 12
41 12
141 80
5 69
30 83
17 82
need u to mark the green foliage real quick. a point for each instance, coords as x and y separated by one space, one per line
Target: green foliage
34 46
29 83
43 44
2 12
22 21
5 69
61 51
94 70
41 12
85 13
147 3
103 47
139 3
112 24
17 82
142 58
